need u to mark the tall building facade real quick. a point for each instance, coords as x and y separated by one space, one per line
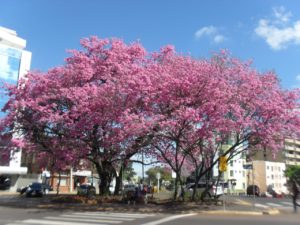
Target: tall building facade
14 64
291 152
268 176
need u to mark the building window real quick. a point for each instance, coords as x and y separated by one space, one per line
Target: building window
63 182
231 173
231 162
268 167
272 177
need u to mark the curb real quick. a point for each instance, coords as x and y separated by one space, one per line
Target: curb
271 212
180 211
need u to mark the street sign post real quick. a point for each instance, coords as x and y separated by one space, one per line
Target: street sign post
158 177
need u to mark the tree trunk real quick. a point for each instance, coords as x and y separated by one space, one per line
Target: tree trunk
104 183
105 175
175 189
58 183
119 183
182 189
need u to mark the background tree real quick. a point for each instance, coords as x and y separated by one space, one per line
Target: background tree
293 175
129 172
165 174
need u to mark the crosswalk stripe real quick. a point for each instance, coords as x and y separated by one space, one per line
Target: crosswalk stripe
48 222
82 220
261 205
126 214
273 204
287 203
167 219
96 217
114 214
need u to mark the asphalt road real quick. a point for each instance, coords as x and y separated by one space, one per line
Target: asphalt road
16 216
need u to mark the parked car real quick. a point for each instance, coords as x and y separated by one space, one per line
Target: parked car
4 183
35 189
213 191
129 187
253 190
86 190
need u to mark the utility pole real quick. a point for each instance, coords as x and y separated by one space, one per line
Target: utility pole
143 175
254 191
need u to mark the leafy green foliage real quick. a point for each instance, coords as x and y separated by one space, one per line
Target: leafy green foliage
293 173
165 173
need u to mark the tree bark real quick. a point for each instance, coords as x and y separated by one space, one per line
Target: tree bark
119 182
58 183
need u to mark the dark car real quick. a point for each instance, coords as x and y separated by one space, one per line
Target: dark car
36 189
4 183
86 190
253 190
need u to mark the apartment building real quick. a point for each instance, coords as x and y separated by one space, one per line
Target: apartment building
291 152
268 175
14 63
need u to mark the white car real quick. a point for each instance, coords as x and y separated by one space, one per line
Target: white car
129 187
213 191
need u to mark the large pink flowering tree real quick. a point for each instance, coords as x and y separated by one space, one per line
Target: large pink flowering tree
112 100
203 104
92 108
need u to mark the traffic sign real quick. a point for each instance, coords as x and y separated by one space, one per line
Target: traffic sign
158 176
223 164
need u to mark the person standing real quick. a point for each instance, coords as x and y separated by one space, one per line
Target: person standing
295 194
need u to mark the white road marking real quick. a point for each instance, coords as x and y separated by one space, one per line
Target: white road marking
273 204
82 220
48 222
121 215
168 219
96 217
287 203
261 205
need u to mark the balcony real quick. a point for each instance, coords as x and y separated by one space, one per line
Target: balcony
288 147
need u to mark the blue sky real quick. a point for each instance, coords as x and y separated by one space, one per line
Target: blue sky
268 32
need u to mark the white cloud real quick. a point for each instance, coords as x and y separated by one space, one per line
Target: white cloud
278 31
281 15
219 38
206 31
298 77
211 32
